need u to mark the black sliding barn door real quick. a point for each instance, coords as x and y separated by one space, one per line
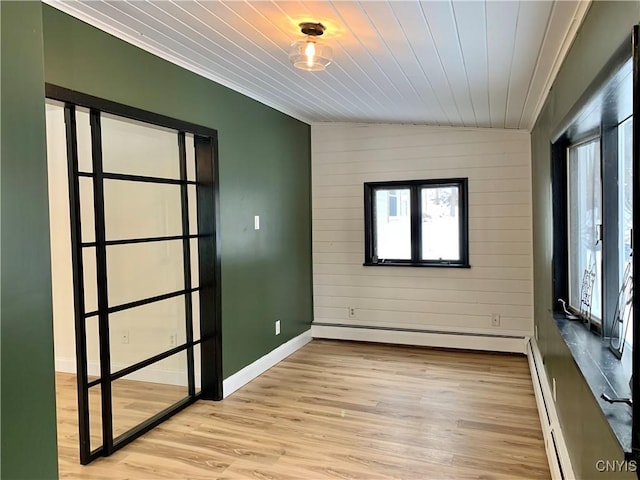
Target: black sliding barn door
143 208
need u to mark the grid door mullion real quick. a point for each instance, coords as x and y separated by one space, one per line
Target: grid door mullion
186 255
78 285
101 269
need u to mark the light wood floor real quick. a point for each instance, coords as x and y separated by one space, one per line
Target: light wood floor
341 410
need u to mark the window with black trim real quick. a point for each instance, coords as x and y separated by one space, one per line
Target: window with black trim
417 223
592 161
584 242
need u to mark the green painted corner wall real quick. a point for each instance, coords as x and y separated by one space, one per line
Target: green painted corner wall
264 169
28 432
585 428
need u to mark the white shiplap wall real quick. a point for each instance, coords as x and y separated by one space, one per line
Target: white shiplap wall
497 163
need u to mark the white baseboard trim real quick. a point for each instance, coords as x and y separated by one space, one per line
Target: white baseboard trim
557 453
465 341
178 377
248 373
65 365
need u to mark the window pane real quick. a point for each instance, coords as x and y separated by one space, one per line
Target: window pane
92 342
95 417
195 272
87 210
440 223
136 148
197 360
146 392
195 314
139 333
625 202
392 216
190 150
83 132
585 218
142 270
192 199
140 210
90 279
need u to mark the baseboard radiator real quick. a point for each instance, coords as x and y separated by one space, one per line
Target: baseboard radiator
420 337
557 453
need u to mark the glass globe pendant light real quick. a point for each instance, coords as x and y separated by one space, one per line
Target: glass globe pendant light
310 54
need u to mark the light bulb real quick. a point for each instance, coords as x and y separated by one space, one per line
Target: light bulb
310 52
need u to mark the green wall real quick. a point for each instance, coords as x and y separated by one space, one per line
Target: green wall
264 166
586 431
28 445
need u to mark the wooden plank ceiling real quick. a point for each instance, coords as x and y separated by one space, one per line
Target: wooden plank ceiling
462 63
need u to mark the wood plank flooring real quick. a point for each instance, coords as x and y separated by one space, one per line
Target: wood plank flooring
338 410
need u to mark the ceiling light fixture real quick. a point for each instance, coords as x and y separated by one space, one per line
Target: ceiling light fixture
310 54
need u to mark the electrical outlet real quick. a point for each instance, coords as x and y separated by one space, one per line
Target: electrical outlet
256 222
352 312
553 382
277 327
124 336
495 319
173 340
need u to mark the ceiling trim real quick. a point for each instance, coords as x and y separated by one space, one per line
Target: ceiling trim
421 125
136 42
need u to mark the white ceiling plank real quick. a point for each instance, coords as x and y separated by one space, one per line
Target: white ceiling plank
452 62
444 32
471 25
502 22
532 23
393 38
366 34
412 18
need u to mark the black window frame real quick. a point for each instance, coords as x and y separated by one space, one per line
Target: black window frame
415 187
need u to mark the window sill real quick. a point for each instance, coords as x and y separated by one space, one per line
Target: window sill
423 264
603 372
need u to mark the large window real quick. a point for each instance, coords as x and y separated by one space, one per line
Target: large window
593 213
418 223
585 225
597 261
625 209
